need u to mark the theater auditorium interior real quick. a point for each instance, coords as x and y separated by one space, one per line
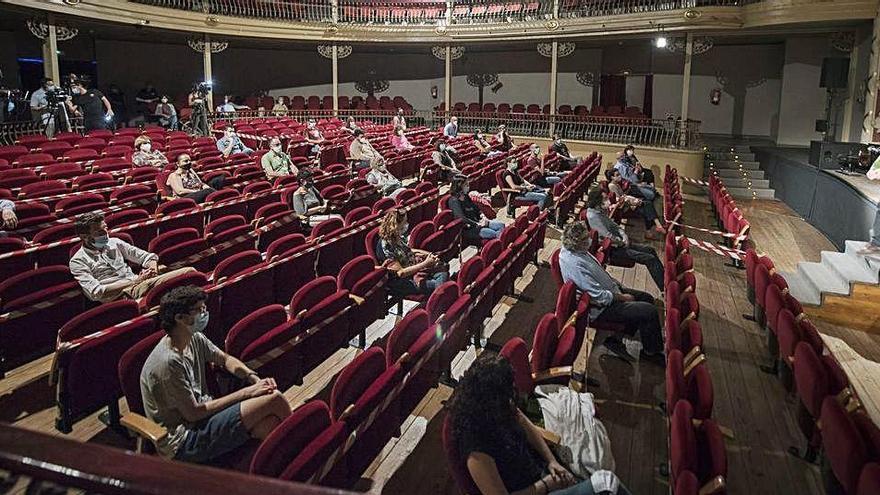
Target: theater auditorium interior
440 247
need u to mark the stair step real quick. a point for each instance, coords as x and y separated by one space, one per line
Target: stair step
802 290
744 183
823 278
746 193
737 148
732 156
851 267
853 247
734 165
735 173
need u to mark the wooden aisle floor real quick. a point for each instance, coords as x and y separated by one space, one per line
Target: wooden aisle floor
753 404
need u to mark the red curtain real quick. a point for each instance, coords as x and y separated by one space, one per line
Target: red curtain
648 102
612 91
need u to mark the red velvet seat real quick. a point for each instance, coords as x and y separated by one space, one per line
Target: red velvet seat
698 449
552 348
80 203
80 154
689 381
93 181
259 332
449 309
473 279
33 160
843 444
154 296
455 461
363 279
55 148
98 318
17 177
43 189
230 229
408 344
869 480
815 378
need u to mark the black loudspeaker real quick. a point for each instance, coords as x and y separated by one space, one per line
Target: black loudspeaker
821 126
835 72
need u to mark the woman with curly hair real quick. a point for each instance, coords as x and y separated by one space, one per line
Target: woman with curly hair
504 452
413 271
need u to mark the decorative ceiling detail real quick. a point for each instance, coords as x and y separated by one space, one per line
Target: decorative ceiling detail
587 79
200 45
455 52
481 80
702 44
843 41
342 51
41 30
562 50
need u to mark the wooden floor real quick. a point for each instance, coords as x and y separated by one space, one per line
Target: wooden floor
753 404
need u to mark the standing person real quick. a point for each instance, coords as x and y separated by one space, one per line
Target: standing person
166 113
186 183
40 106
230 143
561 149
451 129
176 394
476 226
873 247
505 142
146 156
413 271
8 220
361 150
117 102
399 120
91 104
609 300
276 163
626 165
527 190
502 450
143 99
622 249
279 109
384 180
198 102
645 208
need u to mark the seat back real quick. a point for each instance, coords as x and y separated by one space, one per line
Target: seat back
130 366
405 334
517 353
455 461
844 446
98 318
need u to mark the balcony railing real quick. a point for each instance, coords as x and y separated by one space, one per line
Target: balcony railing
427 12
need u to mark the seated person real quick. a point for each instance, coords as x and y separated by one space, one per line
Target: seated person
622 250
399 120
561 150
177 396
413 271
276 163
442 158
537 161
645 208
626 165
476 225
483 146
399 140
145 156
503 451
609 300
227 106
100 265
314 137
186 183
362 151
385 181
527 190
505 142
350 125
230 143
279 109
9 220
308 202
451 129
166 113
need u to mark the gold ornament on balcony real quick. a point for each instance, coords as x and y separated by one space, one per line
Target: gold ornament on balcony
342 51
455 52
200 45
41 30
212 20
562 50
552 25
692 14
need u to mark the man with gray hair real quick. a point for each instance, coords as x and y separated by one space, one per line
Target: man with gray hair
610 302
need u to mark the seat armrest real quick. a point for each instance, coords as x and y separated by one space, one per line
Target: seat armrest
715 485
551 438
557 372
693 364
143 427
358 300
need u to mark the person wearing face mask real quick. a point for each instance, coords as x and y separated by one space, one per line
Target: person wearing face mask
562 151
314 137
186 183
483 146
399 140
442 158
307 201
399 120
101 264
166 113
385 181
503 139
350 125
537 161
626 165
91 104
276 163
40 106
609 300
279 109
227 106
176 394
622 249
413 271
520 188
362 151
146 156
645 208
476 226
230 143
451 129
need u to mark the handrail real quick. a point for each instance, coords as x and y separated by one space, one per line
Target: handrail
49 461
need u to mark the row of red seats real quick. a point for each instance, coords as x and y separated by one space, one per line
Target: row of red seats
534 108
728 215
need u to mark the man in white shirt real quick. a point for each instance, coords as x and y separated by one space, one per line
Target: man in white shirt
40 105
227 106
399 120
101 264
451 129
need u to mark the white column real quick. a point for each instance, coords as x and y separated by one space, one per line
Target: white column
447 83
554 62
206 60
686 87
50 54
335 81
846 129
449 12
869 126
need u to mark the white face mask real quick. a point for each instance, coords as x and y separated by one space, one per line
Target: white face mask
164 101
146 147
442 147
404 227
536 151
480 136
276 148
630 152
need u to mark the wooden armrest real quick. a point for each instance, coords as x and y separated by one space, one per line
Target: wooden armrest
551 438
301 313
346 412
843 396
557 372
692 354
571 320
853 404
799 317
693 364
143 427
404 358
358 300
690 316
725 431
715 485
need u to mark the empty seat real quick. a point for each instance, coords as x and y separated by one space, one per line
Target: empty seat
698 449
690 382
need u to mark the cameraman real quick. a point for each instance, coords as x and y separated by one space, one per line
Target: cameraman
91 104
40 105
198 102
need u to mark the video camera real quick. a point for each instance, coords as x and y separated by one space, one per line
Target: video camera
203 88
57 96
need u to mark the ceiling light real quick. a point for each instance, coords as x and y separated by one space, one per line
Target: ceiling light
660 42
